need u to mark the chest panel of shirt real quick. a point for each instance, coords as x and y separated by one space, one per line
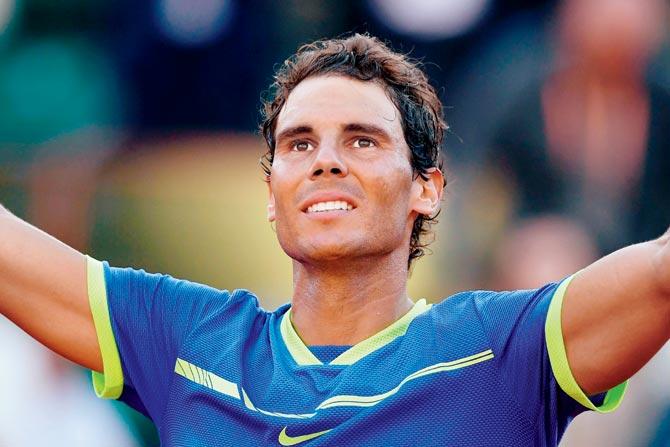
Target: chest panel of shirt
433 410
438 382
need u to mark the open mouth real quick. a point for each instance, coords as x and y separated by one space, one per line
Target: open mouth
322 207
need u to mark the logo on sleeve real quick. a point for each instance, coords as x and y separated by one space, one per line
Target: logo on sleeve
287 440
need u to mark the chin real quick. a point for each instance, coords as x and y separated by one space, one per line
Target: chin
325 251
331 252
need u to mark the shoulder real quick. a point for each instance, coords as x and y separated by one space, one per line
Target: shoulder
499 313
488 301
481 301
225 307
223 325
158 293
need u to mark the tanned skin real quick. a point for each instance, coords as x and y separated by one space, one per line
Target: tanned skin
340 139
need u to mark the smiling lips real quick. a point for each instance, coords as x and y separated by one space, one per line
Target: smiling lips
329 206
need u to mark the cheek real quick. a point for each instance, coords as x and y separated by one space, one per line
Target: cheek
394 188
390 214
282 189
282 205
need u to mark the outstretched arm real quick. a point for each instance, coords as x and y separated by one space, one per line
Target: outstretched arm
43 289
616 314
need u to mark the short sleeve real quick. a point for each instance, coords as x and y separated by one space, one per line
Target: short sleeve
142 320
559 359
524 329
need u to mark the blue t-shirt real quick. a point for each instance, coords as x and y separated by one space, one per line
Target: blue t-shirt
211 367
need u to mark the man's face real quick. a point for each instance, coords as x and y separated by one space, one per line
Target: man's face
341 184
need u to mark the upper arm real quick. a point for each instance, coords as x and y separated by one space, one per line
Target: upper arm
524 329
143 320
515 324
43 289
615 317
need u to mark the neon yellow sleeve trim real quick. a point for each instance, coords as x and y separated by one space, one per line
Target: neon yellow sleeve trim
108 385
559 359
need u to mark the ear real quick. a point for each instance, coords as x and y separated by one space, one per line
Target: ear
427 193
271 201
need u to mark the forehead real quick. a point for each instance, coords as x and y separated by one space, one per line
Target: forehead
336 100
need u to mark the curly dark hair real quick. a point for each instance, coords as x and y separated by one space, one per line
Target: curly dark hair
366 58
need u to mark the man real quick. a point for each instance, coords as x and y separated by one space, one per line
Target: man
354 179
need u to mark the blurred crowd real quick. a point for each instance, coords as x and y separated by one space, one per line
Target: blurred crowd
128 130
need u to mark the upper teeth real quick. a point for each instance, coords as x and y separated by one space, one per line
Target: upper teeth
329 206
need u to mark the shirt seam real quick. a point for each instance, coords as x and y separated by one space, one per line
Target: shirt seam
517 404
159 426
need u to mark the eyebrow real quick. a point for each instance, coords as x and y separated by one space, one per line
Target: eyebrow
293 132
303 129
370 129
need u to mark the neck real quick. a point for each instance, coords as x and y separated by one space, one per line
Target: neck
345 304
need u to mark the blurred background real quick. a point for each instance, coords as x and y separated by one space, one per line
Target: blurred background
128 130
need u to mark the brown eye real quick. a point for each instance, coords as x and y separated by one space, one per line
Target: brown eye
302 146
363 143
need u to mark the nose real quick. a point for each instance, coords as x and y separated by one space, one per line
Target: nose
328 161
